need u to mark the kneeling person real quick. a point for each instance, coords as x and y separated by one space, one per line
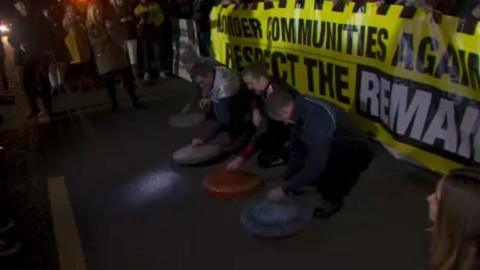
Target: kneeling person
327 150
222 92
271 137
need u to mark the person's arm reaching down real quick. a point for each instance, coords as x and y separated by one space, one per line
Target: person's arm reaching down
315 164
296 156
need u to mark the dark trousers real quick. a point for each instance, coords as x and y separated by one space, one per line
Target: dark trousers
342 172
276 135
3 74
126 78
152 55
35 82
166 49
204 42
272 144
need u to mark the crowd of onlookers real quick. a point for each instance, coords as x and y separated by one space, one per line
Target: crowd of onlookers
71 46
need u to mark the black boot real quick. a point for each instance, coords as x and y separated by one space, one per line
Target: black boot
326 209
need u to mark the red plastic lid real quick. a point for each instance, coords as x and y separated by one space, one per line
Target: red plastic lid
231 185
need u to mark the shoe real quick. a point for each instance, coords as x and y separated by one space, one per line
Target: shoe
146 77
33 114
163 75
9 248
186 108
138 105
326 209
10 224
43 113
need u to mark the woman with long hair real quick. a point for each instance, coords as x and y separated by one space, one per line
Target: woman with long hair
80 70
455 213
109 55
77 39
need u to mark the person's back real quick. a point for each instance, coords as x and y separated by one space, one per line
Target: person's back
345 133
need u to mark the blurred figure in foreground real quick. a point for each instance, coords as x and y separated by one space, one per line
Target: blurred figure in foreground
455 213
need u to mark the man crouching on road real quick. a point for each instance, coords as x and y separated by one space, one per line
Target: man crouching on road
327 150
222 92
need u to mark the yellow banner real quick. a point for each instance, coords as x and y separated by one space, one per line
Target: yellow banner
409 77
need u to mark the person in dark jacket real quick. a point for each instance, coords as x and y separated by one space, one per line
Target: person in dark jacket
29 37
180 9
201 11
222 91
271 137
3 72
122 16
151 18
109 55
327 149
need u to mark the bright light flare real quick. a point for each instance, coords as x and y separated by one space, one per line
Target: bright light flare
4 29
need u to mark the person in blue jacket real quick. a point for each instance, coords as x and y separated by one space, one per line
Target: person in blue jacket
327 150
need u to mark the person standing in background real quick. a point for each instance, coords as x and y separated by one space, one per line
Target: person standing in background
32 55
175 9
60 55
110 58
122 16
150 19
3 72
79 48
180 9
201 10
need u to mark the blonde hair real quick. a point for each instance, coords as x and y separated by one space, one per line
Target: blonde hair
456 234
91 18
